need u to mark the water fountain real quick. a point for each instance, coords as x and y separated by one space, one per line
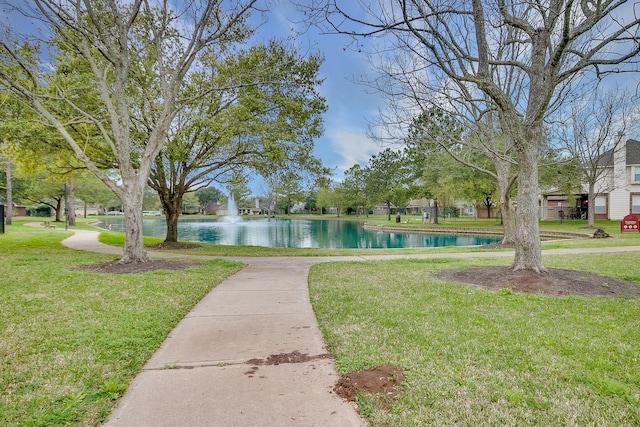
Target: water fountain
232 212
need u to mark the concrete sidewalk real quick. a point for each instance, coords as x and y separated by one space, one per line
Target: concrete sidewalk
214 367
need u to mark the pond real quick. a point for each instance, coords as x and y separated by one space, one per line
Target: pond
299 233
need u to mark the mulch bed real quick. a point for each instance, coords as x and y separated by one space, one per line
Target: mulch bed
168 246
554 281
115 267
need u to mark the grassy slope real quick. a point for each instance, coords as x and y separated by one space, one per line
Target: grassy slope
476 357
71 340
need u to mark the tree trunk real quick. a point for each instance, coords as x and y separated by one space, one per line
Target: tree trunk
9 211
71 200
508 222
388 211
172 206
506 209
131 199
435 211
58 208
591 206
172 225
528 250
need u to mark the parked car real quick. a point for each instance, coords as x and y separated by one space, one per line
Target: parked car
115 213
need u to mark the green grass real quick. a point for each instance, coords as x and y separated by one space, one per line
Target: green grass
477 357
72 340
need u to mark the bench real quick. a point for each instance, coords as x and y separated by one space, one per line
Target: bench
47 224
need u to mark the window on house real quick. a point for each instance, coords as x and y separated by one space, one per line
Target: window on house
600 205
635 204
636 174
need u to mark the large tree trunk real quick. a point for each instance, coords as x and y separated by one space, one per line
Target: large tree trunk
528 249
172 226
9 211
131 199
172 206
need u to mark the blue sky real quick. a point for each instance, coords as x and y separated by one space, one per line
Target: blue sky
351 105
344 142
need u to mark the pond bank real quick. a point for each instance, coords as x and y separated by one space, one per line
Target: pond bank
467 230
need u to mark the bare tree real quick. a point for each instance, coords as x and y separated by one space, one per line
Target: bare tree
597 121
125 50
521 55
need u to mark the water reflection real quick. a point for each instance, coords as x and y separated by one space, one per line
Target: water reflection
277 232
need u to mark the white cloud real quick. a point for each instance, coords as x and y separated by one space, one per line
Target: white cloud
350 145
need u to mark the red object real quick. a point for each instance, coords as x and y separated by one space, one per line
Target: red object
630 223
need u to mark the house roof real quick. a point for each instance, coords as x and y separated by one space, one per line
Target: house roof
633 154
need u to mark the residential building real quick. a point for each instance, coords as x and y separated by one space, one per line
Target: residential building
617 190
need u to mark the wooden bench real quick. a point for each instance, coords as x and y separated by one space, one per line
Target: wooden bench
47 224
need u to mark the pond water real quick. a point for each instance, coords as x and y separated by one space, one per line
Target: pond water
299 233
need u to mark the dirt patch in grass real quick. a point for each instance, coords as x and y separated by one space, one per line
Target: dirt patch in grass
383 380
553 282
114 267
172 246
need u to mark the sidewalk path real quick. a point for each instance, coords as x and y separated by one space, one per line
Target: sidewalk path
214 368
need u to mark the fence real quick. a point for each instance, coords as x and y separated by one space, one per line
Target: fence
561 212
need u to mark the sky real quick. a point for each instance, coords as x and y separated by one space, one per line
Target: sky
351 106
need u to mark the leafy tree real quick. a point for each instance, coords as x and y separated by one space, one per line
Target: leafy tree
122 52
324 199
92 191
354 188
190 203
151 201
311 199
338 197
388 178
289 188
238 188
47 190
261 116
207 195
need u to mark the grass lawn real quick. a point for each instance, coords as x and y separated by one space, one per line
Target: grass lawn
476 357
71 340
